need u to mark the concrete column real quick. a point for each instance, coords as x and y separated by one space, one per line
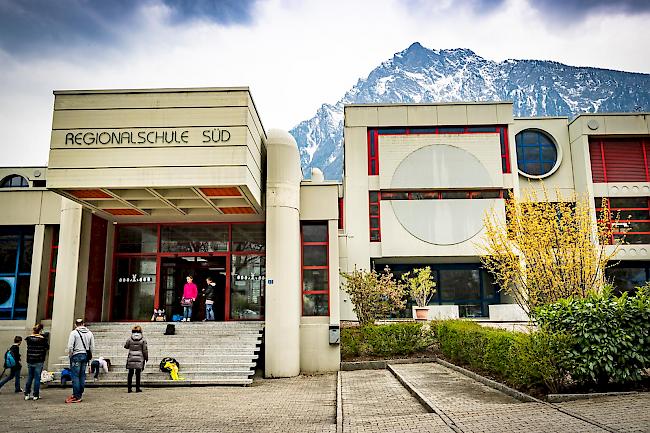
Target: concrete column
65 286
82 271
35 279
283 302
108 271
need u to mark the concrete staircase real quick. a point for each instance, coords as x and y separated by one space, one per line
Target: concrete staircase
209 353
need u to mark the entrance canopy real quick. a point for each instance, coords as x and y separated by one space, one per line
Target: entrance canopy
176 154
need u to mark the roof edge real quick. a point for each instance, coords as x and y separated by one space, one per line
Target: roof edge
152 90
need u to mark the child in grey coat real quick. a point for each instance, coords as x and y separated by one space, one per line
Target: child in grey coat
137 357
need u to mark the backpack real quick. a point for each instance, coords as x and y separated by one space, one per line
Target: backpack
10 361
165 361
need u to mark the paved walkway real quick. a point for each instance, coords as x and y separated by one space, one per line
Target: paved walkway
301 404
624 413
372 401
474 407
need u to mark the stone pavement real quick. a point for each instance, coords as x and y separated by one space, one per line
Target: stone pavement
474 407
624 413
301 404
372 401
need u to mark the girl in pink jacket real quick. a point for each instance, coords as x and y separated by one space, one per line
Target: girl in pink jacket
190 292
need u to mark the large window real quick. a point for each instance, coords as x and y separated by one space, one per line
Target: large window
464 284
619 159
315 269
625 276
194 238
375 133
537 154
633 214
14 181
247 290
16 246
54 255
375 225
133 295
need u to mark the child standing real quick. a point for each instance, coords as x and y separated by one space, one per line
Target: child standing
37 347
137 357
14 371
190 292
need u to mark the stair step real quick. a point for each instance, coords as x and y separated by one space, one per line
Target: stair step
212 366
210 353
226 381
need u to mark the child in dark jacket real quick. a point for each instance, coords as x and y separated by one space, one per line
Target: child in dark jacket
14 372
37 347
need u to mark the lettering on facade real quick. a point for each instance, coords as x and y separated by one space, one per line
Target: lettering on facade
249 277
134 278
144 136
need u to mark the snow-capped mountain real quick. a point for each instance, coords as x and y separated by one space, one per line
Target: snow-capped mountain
418 74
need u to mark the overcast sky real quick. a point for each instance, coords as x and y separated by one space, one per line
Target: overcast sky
293 54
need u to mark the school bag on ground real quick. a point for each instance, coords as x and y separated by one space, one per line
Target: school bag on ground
46 376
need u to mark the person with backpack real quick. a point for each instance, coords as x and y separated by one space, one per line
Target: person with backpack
12 363
81 344
137 357
37 347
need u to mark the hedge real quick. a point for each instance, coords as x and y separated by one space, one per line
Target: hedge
395 339
519 359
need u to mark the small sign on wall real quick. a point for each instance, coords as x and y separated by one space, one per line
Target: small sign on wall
134 278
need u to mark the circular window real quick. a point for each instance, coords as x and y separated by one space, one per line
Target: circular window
537 154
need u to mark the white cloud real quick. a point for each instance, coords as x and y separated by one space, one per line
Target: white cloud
295 55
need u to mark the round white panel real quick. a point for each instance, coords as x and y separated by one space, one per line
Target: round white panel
441 222
440 166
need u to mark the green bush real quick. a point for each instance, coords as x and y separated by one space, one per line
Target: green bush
395 339
522 360
536 361
609 335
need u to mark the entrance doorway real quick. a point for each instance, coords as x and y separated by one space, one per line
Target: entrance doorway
151 262
173 273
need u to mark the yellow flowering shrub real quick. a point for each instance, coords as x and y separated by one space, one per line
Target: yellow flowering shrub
547 250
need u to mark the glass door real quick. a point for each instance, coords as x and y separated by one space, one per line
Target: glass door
135 288
173 273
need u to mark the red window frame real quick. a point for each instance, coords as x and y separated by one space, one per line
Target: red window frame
325 267
374 133
374 231
621 212
341 221
435 194
54 251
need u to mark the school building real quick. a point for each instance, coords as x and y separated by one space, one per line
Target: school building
145 187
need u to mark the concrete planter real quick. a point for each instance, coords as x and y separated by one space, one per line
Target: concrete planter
438 312
507 313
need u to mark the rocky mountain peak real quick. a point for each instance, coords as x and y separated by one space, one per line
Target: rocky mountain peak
418 74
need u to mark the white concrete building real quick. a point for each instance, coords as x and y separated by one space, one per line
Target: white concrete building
145 187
